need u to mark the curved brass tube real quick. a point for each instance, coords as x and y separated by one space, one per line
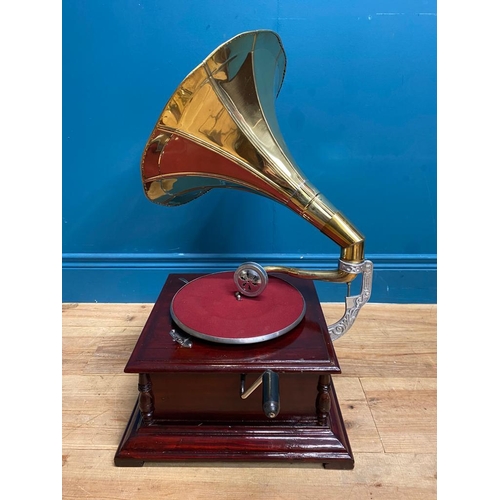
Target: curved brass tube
334 275
353 254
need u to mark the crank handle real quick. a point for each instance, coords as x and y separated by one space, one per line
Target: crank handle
270 392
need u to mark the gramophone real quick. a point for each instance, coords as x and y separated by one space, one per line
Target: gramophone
212 342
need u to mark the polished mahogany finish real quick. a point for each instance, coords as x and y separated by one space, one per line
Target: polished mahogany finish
189 406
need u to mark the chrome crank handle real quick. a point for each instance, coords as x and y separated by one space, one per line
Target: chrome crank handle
353 303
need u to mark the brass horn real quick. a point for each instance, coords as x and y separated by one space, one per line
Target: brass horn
219 129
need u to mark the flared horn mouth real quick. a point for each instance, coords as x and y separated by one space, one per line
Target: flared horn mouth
219 130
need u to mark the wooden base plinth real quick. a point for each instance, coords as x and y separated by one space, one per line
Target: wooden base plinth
189 407
299 441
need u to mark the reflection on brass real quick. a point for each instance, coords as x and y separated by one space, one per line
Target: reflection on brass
219 129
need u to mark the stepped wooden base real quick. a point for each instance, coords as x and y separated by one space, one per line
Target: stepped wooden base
299 441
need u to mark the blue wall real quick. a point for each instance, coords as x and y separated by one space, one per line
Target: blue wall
357 109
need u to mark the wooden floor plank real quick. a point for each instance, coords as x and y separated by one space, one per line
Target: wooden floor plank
358 419
404 411
389 340
90 314
89 473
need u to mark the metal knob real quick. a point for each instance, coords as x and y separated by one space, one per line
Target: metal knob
270 394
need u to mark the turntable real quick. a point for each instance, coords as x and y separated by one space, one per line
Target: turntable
237 365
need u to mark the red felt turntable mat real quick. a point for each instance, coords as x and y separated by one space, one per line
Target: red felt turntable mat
208 308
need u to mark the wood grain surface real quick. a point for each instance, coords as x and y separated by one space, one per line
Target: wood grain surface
387 392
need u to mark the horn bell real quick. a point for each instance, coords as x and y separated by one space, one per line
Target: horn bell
219 130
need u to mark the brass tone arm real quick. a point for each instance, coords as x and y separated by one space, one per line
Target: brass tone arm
334 275
346 273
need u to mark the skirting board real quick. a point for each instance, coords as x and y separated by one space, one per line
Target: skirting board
397 278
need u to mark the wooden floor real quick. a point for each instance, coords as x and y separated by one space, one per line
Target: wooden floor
387 393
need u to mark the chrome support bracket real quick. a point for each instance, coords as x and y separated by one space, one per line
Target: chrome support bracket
353 303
